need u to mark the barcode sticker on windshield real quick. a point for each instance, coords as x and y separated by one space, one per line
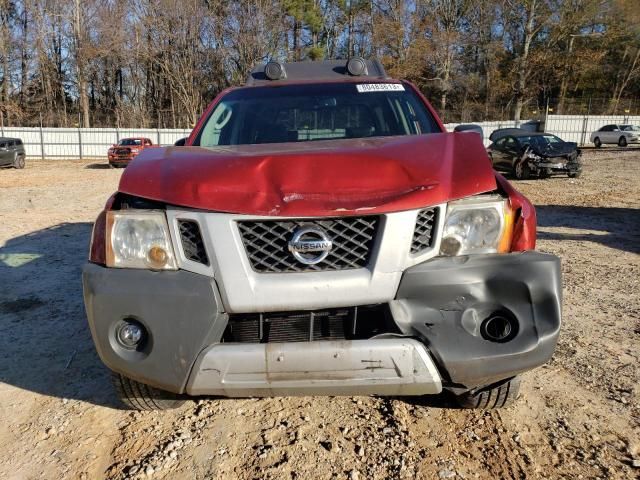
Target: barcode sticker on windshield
379 87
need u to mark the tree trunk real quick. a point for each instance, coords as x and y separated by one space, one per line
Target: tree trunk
80 70
564 82
523 67
23 56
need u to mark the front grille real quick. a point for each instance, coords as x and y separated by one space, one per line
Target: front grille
266 243
334 324
192 244
123 151
423 232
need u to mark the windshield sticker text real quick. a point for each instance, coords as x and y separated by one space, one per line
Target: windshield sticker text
379 87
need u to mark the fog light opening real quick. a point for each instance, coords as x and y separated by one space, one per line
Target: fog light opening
130 334
499 328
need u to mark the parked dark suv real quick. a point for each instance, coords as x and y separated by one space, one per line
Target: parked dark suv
12 153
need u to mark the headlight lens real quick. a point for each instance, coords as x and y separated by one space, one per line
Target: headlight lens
482 224
139 239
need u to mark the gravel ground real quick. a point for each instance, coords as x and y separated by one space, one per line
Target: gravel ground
579 416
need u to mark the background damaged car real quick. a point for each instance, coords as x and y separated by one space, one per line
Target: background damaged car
522 154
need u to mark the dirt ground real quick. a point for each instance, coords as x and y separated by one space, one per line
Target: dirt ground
579 416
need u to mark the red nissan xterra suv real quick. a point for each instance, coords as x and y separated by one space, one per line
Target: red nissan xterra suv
319 233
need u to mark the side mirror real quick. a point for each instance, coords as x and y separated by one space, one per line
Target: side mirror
470 127
181 142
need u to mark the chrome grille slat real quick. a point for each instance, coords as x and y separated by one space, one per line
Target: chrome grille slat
423 233
266 243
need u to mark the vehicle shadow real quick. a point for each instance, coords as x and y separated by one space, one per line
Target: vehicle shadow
614 227
98 166
45 343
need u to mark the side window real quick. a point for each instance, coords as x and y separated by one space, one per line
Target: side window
18 142
500 142
3 145
510 143
615 128
217 122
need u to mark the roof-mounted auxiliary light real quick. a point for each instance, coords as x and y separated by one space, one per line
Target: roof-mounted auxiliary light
274 71
356 66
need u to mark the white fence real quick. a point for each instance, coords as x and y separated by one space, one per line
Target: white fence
488 127
94 142
578 128
84 142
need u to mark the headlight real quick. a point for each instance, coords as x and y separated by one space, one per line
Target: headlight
139 239
482 224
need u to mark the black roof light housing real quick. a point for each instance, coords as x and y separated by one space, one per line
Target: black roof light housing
275 71
356 67
326 70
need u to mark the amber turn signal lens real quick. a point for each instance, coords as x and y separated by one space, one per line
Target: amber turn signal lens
507 232
157 257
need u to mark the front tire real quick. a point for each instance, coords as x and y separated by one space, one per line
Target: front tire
522 171
622 142
597 142
138 396
498 395
19 162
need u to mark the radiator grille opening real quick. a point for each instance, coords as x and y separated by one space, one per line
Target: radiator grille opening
352 323
423 233
192 243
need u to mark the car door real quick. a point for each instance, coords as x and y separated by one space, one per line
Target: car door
6 156
511 153
496 153
612 134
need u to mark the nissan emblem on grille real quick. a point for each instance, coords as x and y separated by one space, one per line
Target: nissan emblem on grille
310 245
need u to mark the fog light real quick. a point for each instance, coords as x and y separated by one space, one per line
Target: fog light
130 334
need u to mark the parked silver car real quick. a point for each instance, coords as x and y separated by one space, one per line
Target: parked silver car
621 135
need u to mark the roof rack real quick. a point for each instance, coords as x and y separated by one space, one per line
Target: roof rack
325 70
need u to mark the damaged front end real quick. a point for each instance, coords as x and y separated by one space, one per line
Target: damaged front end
547 163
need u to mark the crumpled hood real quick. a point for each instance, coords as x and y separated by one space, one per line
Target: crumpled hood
556 149
321 178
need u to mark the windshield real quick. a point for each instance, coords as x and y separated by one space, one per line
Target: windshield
130 141
630 128
301 113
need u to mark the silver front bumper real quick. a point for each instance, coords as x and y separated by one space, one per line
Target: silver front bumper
390 366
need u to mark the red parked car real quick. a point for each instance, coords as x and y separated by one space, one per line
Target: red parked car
126 150
320 233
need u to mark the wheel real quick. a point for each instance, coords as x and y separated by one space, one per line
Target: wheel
138 396
522 171
597 142
19 162
497 395
545 173
575 174
622 142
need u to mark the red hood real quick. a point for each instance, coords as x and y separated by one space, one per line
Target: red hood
323 178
